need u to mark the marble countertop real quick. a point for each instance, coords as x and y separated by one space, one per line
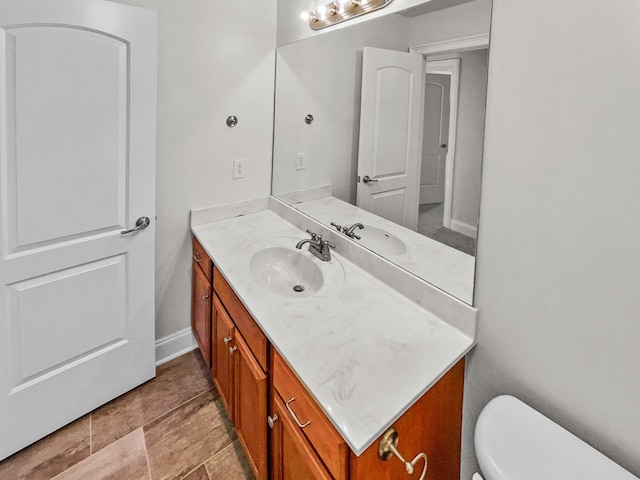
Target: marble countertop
449 269
365 352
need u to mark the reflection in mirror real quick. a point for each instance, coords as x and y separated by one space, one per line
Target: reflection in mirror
396 139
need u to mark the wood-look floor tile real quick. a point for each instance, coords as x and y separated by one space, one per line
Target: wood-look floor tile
230 464
176 382
186 437
51 455
124 459
199 473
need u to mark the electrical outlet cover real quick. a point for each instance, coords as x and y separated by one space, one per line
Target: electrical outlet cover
300 161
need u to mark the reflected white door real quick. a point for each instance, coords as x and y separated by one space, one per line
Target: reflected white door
391 134
435 137
77 166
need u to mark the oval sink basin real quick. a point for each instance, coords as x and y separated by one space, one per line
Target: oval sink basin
381 241
286 271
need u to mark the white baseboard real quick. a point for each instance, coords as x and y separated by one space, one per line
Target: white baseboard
464 228
173 346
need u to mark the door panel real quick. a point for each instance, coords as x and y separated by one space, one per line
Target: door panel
390 204
435 138
79 116
223 328
251 407
392 121
77 166
201 312
70 303
391 134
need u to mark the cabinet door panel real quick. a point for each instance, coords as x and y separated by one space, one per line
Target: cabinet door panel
251 407
223 328
293 457
201 312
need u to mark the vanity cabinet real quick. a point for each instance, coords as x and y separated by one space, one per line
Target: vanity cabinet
302 433
201 296
259 389
239 372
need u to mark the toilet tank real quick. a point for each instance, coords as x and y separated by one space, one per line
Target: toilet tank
515 442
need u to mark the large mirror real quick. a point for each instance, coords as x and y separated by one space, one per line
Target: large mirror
379 131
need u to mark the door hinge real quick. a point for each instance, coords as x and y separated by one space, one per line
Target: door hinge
358 179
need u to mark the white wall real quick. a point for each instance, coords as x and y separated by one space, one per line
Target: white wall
322 76
469 137
468 19
558 273
215 59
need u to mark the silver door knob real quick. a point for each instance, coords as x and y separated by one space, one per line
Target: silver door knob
444 145
367 179
141 224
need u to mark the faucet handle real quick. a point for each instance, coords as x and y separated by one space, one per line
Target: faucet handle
338 227
314 235
327 243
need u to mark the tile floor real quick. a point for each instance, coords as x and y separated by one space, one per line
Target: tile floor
172 427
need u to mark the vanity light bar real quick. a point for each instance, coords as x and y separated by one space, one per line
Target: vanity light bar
337 11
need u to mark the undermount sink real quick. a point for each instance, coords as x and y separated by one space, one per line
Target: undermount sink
279 267
381 241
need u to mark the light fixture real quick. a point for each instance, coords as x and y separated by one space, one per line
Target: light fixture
336 11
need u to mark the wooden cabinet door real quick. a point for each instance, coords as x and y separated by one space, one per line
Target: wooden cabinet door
201 312
292 456
223 333
251 406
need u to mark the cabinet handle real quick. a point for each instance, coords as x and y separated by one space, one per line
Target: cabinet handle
227 339
196 258
232 349
272 420
295 417
205 297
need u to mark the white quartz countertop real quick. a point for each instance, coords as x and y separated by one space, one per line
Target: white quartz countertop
365 352
437 263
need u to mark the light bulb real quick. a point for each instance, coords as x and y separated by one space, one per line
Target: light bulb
305 16
322 11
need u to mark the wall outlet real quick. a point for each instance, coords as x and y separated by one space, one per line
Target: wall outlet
239 168
300 161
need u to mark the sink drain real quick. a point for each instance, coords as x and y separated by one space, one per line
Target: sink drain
298 288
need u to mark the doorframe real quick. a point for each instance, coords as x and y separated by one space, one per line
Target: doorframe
450 67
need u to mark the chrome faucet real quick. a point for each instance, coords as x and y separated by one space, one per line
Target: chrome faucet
349 231
317 246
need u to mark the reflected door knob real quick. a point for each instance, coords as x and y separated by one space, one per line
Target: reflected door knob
444 145
368 179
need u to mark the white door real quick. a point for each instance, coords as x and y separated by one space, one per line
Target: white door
391 134
77 166
434 138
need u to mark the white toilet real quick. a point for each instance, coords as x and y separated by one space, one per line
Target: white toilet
515 442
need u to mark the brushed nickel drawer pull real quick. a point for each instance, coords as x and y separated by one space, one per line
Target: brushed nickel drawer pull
227 339
232 349
295 417
205 297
